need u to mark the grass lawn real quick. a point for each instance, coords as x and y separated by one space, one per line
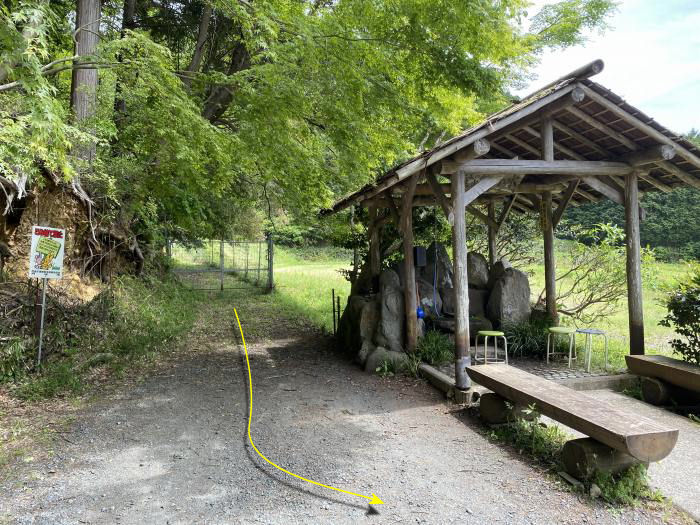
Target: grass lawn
304 280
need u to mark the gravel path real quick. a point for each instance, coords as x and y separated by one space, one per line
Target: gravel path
172 449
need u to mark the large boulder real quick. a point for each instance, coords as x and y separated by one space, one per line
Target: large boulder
430 299
497 270
380 355
391 312
349 327
509 301
438 261
477 301
475 324
477 270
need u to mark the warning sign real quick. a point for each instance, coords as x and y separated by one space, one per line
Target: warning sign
46 255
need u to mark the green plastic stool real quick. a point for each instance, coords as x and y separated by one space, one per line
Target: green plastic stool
553 331
496 335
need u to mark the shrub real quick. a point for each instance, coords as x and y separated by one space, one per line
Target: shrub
14 362
528 338
436 348
683 306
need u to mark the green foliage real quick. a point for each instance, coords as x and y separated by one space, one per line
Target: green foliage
125 325
594 282
527 338
293 104
435 348
626 488
386 369
540 441
14 361
684 316
671 227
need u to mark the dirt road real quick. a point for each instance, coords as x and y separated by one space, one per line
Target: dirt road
172 449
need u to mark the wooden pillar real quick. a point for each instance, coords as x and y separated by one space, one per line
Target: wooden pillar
634 262
374 248
460 281
410 301
550 275
493 255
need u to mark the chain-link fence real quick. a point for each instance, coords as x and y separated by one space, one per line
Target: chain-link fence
223 265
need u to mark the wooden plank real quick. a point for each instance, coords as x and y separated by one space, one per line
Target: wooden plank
640 437
460 282
505 212
689 179
607 130
655 182
566 151
672 371
536 167
634 266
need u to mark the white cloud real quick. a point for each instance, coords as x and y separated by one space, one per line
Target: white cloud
652 59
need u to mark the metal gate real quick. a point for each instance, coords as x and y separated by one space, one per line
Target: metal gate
223 265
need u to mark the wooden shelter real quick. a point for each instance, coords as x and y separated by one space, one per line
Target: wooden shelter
571 142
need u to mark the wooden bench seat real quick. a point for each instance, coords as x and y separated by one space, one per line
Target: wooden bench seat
673 371
632 434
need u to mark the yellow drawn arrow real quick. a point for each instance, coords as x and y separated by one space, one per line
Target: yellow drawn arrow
373 499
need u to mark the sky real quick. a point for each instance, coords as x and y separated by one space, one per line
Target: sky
652 59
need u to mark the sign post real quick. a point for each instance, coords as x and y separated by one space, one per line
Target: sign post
46 262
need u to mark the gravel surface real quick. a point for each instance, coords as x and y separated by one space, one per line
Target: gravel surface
173 449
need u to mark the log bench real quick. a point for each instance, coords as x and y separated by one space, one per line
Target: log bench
665 378
618 438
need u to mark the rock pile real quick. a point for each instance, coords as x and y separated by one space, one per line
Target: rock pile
372 325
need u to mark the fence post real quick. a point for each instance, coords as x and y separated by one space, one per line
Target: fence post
257 279
270 262
221 263
247 249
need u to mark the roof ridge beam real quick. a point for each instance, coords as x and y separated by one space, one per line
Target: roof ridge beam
536 167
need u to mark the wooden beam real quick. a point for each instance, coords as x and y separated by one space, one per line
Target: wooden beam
479 148
547 138
642 126
649 156
507 206
536 167
634 265
550 277
557 146
607 130
566 199
581 138
656 183
409 287
481 186
440 197
679 173
374 248
523 144
461 283
492 232
480 215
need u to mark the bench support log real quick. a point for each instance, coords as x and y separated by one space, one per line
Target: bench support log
585 456
655 392
495 410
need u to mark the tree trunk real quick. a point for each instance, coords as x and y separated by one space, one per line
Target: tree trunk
83 98
221 96
128 22
202 36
